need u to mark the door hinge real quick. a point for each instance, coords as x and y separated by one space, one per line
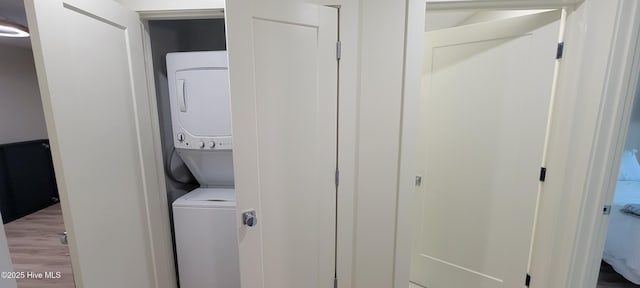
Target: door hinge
335 282
606 210
527 280
418 180
338 50
543 174
560 50
337 178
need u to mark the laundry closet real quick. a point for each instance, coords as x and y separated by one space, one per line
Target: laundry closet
194 109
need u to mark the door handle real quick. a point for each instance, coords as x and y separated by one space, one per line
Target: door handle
182 101
249 218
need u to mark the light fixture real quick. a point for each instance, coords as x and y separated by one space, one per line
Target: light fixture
9 29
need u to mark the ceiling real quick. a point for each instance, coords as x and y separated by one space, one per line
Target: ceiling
13 11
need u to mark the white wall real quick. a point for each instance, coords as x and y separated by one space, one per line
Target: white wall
21 115
379 113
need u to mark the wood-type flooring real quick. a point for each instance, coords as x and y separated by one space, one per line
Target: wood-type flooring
35 246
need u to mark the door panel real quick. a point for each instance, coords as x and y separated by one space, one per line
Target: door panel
487 90
90 68
283 74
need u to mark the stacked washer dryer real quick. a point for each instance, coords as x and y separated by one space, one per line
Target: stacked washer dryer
204 219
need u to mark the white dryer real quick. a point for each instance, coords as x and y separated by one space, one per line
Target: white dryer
201 114
206 239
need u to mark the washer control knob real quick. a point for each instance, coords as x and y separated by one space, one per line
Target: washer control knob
201 144
212 144
180 137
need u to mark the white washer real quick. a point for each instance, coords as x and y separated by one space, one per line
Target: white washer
206 239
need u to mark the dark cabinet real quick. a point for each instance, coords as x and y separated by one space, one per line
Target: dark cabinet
27 180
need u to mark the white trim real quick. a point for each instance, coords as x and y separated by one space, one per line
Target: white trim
617 99
182 14
164 260
499 4
412 86
380 80
172 5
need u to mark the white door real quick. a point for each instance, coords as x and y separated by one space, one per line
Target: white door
90 67
283 74
484 113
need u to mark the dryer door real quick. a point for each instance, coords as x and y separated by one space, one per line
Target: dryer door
203 106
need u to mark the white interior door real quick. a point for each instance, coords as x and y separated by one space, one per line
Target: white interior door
283 73
90 67
484 112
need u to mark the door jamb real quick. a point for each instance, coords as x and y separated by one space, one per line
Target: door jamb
145 16
618 95
412 86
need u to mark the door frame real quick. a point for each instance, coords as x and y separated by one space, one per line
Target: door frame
347 103
587 80
160 228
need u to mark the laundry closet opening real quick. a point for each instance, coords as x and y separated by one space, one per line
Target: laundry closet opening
192 94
